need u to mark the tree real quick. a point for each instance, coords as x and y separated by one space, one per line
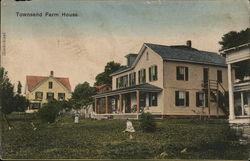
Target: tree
82 95
19 88
104 78
20 103
6 95
233 38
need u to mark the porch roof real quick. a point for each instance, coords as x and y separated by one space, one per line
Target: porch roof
141 87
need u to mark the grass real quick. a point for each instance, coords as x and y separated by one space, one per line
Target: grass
95 139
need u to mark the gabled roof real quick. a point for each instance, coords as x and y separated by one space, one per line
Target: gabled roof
187 54
179 53
34 81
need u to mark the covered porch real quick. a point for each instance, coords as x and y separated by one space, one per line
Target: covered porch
242 101
34 105
127 102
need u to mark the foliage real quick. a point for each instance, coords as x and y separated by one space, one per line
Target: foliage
104 78
147 122
19 88
6 93
50 111
104 139
82 95
233 38
20 103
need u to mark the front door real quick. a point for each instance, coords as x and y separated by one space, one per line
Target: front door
127 103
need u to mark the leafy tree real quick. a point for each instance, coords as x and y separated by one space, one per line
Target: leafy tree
20 102
6 95
233 38
104 78
82 95
19 88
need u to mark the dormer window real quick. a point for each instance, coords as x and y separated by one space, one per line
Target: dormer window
50 85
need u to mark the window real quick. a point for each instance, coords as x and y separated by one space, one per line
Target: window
122 81
182 73
153 73
132 79
219 76
142 76
50 85
61 96
152 99
39 95
50 95
181 98
200 99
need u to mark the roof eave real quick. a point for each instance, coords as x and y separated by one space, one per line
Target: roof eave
194 62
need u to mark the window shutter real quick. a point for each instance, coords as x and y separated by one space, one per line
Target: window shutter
187 98
139 77
149 71
177 73
186 73
177 98
144 75
156 73
134 78
116 82
197 100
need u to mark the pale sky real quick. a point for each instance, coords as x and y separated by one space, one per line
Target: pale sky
106 30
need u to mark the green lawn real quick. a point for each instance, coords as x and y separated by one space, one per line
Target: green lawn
95 139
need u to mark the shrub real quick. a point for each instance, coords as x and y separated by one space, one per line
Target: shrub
49 111
147 123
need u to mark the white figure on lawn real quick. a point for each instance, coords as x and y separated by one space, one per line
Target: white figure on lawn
129 127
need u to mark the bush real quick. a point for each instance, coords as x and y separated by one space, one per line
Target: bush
49 111
147 123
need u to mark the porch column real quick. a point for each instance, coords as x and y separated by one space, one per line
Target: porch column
242 103
95 105
138 101
106 103
120 102
231 94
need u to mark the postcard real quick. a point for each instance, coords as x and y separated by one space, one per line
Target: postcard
123 79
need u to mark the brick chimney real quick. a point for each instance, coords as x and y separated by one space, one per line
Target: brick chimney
189 43
51 73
